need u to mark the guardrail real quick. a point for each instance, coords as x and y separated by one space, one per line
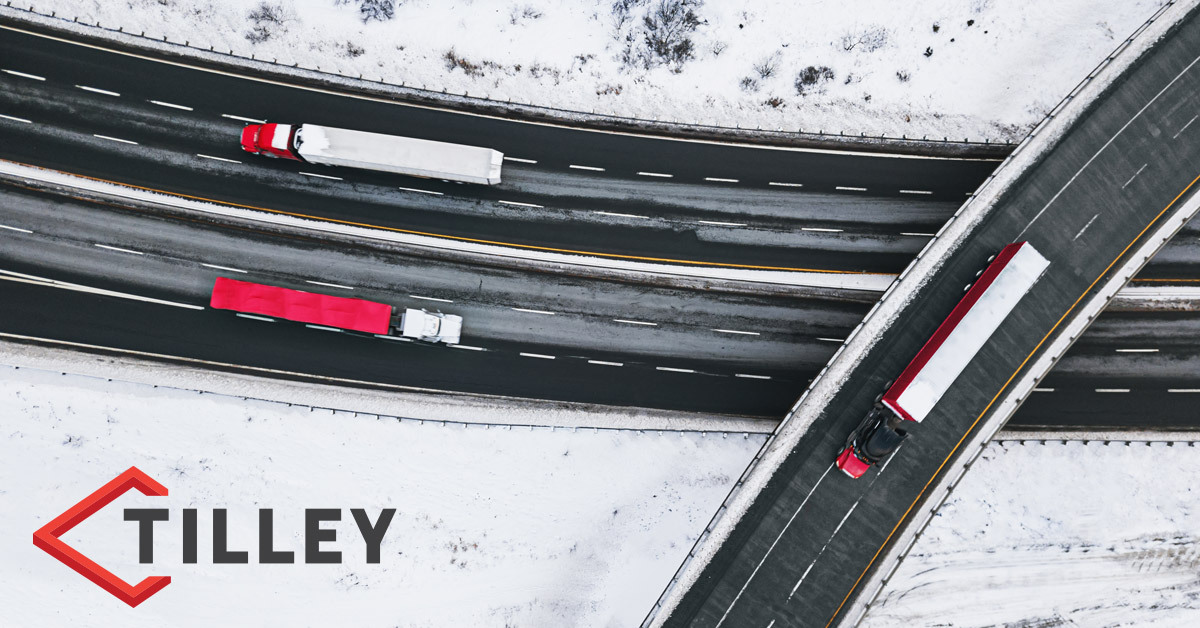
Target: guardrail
926 145
1000 172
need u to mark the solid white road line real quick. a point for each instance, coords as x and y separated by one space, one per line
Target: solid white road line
422 191
16 119
720 180
622 320
322 327
114 139
467 347
656 174
1134 176
118 249
1137 350
431 299
674 370
331 285
918 233
521 309
252 316
521 204
97 90
232 161
15 229
1043 390
718 223
233 117
772 547
749 376
786 185
820 229
540 356
603 363
1184 128
619 215
1085 227
171 105
847 188
1183 390
322 176
1112 390
734 331
25 75
232 270
916 191
518 159
831 339
592 168
396 338
54 283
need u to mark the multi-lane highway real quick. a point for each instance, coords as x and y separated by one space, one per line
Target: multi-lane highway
796 557
82 109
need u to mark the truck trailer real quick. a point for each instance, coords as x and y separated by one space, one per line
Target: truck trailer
332 146
335 312
1010 274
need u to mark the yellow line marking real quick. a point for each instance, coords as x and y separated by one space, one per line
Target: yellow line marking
532 247
1001 391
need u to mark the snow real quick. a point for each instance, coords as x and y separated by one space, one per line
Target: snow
994 68
1067 534
495 526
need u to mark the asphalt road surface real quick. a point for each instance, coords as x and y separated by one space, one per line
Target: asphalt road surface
82 110
798 555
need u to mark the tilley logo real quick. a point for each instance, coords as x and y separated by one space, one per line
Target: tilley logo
49 537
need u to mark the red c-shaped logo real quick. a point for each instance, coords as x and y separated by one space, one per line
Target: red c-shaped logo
48 539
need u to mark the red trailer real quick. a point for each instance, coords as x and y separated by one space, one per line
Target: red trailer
988 302
305 307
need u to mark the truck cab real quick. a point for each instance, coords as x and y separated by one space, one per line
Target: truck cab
430 326
880 433
270 140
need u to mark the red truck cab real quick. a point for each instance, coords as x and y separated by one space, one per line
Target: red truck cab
272 140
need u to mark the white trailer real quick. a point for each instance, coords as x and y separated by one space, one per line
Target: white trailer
375 151
972 322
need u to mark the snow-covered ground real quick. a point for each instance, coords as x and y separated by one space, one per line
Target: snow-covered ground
1058 535
983 69
494 526
536 527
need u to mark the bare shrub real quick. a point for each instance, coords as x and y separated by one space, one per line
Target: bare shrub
812 80
668 30
454 61
748 84
767 66
869 39
373 10
718 47
524 14
774 101
267 19
354 50
903 75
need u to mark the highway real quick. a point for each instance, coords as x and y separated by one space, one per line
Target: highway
544 336
91 112
797 556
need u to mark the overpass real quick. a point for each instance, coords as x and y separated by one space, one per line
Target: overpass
1098 188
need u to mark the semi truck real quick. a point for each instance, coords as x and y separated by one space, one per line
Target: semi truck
1010 274
334 312
332 146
